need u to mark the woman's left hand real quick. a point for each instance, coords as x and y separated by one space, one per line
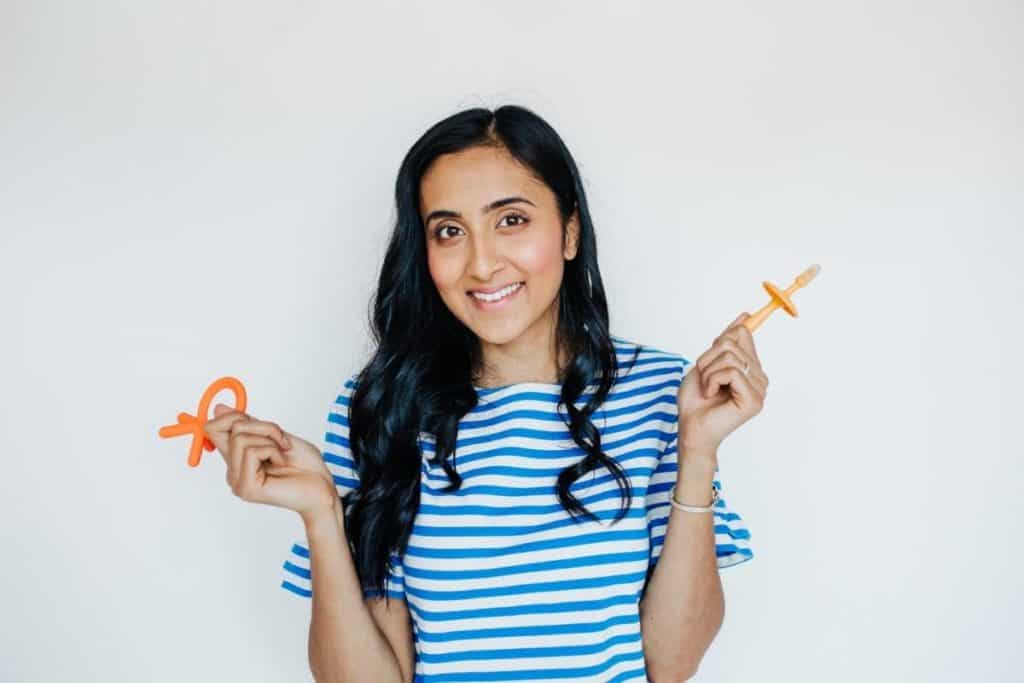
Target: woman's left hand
715 397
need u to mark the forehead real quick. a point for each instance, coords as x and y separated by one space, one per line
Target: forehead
466 180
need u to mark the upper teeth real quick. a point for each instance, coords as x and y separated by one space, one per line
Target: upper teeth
500 294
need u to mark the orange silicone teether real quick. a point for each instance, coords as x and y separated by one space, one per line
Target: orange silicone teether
780 298
194 424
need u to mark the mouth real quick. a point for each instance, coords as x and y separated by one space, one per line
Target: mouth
498 299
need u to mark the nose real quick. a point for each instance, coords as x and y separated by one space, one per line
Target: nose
484 260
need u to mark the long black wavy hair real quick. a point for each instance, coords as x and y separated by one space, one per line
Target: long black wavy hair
421 375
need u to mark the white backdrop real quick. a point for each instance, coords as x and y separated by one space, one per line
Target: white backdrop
190 190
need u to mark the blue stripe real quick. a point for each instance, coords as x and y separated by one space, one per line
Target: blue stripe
530 472
527 588
395 594
489 489
523 609
339 460
567 563
489 674
540 630
288 585
519 509
530 652
297 570
492 531
599 537
559 436
599 416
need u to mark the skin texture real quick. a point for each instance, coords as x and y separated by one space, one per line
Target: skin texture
517 242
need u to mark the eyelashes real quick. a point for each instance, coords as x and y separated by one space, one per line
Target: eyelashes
522 220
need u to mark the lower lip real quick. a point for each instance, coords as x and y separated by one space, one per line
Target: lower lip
495 305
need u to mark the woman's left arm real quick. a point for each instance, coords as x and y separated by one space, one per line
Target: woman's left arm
684 605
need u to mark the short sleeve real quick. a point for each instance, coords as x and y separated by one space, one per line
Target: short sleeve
732 537
337 454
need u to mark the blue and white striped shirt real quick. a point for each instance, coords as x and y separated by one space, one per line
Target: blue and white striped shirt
501 583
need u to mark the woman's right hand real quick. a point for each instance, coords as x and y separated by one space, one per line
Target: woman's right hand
267 465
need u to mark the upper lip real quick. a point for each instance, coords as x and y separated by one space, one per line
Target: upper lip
496 289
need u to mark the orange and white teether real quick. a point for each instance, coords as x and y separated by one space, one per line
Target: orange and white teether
780 298
194 424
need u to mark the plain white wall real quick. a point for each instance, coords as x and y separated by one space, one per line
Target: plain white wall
190 190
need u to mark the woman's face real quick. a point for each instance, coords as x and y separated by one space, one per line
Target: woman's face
490 224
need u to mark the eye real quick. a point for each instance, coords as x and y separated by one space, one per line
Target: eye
520 217
438 231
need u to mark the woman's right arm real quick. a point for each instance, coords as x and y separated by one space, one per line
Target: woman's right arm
351 640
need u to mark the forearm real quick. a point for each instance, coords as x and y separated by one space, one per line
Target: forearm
683 606
345 643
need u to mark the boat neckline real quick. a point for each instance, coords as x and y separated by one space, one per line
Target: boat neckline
523 385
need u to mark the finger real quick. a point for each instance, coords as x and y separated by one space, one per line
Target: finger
251 479
739 333
277 470
221 412
220 409
736 321
219 429
723 345
239 441
739 384
731 358
704 359
264 428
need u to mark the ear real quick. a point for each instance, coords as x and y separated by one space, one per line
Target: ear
572 235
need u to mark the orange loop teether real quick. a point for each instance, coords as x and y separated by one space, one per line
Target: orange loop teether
195 424
780 298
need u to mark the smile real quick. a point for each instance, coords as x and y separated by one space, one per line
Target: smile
488 301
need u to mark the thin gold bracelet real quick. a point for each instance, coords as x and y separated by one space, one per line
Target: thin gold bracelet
693 508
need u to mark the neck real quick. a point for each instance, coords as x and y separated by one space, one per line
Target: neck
531 357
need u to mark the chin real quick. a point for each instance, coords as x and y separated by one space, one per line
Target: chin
498 332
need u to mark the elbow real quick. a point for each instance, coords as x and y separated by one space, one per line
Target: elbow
676 675
681 668
684 662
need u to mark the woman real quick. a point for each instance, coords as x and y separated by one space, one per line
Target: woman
474 514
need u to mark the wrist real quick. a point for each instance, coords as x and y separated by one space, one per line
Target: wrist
328 513
695 480
698 455
694 440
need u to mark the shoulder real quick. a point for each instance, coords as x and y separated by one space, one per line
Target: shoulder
336 447
344 390
338 408
652 361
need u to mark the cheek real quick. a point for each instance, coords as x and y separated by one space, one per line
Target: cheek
444 272
541 257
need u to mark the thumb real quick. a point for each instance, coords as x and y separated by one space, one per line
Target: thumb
217 430
220 409
738 319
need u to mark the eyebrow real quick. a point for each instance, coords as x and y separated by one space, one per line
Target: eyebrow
496 204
